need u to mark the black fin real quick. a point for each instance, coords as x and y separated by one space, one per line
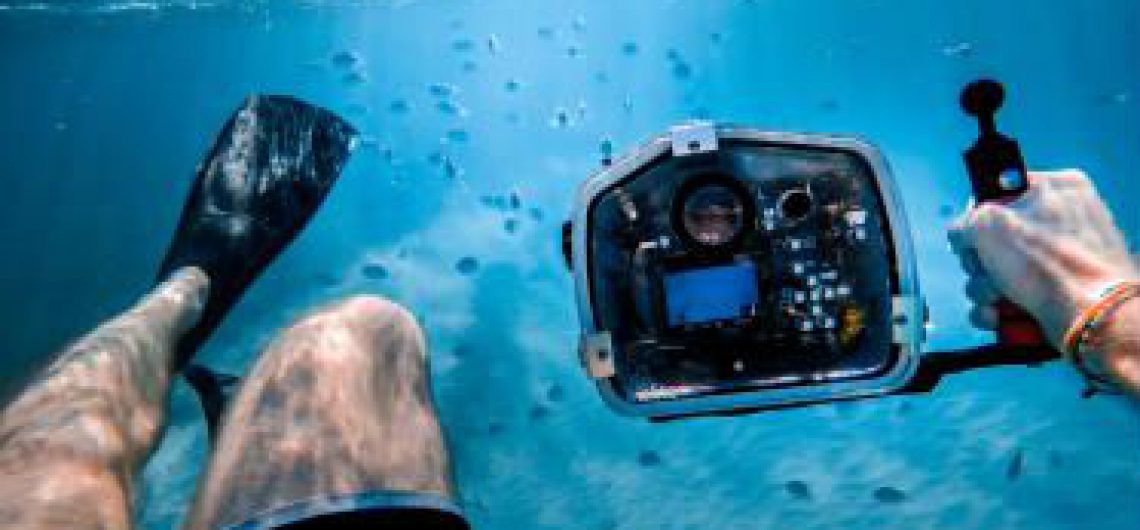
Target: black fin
214 389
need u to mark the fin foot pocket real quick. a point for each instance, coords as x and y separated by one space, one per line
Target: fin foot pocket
270 168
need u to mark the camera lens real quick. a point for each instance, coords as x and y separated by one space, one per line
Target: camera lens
713 215
795 204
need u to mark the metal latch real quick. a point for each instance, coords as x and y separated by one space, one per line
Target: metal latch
905 310
693 138
597 352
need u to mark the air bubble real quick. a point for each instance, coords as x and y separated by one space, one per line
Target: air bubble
493 44
958 49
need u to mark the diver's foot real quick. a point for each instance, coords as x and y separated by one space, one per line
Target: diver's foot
269 170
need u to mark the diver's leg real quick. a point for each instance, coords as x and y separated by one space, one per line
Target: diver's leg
338 407
71 442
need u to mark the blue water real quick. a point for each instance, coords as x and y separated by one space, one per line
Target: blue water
481 119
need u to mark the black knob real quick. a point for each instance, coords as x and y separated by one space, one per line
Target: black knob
982 99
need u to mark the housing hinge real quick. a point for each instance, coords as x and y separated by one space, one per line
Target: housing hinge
597 352
905 311
693 138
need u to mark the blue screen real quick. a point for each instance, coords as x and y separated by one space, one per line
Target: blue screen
698 296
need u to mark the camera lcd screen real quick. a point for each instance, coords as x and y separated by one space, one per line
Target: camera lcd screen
700 296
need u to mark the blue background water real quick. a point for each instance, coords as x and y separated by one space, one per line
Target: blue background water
106 108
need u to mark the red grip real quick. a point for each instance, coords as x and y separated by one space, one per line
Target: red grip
1016 327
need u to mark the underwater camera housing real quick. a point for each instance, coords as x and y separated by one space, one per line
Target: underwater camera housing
722 269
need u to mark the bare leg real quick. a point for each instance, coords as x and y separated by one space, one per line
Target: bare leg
70 443
339 404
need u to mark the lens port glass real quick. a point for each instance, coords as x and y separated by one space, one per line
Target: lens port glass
713 215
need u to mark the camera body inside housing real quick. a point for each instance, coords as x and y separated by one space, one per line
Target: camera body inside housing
720 269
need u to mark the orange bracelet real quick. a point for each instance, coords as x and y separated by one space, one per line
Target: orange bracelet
1110 296
1098 381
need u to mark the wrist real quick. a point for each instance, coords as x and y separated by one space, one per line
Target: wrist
1113 349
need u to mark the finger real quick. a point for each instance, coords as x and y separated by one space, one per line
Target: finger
984 317
981 291
971 263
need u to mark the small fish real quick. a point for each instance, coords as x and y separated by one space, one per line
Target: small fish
467 265
890 495
355 77
1016 465
607 148
798 489
463 45
441 90
682 70
539 412
399 106
345 59
374 271
561 118
511 225
458 136
649 458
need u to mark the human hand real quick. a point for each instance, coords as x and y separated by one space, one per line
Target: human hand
1049 252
